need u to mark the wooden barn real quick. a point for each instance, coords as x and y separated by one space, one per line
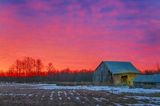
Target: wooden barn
115 73
147 81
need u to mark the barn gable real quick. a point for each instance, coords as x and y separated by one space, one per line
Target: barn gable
101 73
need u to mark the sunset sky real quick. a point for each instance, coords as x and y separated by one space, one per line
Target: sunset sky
80 34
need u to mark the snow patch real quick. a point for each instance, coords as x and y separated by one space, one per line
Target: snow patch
11 94
99 99
78 94
77 98
65 94
114 90
68 98
30 95
150 99
59 93
60 98
51 96
72 93
117 104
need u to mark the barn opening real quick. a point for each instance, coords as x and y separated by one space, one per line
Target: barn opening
124 79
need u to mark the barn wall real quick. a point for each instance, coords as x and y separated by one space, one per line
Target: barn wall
97 73
101 74
131 78
118 81
158 85
146 85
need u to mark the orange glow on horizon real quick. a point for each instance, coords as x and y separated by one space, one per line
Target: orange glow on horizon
80 65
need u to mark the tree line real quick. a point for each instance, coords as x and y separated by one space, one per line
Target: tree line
155 71
29 69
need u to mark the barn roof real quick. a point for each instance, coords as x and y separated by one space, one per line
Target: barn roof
117 67
148 78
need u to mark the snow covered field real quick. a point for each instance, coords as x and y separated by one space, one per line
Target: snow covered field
115 90
111 89
52 95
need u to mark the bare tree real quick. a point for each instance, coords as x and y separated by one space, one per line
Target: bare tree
11 71
18 67
50 68
39 67
28 65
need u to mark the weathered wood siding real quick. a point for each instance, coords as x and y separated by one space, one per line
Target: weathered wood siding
102 74
117 79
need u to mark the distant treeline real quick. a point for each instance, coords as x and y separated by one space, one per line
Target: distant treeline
152 71
29 69
63 76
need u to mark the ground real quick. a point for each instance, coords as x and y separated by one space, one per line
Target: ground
14 94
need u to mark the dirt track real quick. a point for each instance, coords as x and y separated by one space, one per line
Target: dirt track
24 95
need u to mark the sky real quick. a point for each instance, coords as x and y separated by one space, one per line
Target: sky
79 34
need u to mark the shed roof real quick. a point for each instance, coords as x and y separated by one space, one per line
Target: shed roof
118 67
148 78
